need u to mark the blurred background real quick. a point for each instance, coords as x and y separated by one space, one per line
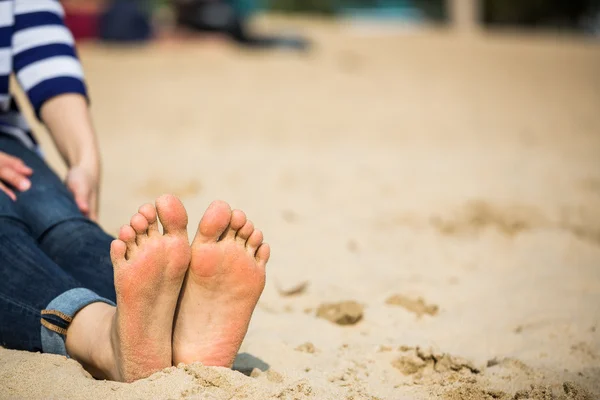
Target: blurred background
181 85
443 149
174 78
124 20
130 20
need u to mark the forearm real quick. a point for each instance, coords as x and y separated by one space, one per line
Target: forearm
68 119
46 65
48 69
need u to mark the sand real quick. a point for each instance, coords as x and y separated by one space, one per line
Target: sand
458 175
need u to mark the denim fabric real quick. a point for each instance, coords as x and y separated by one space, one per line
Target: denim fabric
47 248
63 308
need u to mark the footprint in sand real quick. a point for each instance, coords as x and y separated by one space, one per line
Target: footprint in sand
342 313
416 306
477 215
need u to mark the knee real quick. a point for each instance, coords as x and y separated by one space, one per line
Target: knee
43 207
75 230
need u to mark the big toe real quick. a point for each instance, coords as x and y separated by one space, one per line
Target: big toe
172 214
214 222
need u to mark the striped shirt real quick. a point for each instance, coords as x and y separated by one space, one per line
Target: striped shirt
39 50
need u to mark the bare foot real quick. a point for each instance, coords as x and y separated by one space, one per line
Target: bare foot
133 340
222 286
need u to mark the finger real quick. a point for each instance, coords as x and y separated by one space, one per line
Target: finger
8 192
15 179
83 206
80 200
16 163
23 169
20 166
8 159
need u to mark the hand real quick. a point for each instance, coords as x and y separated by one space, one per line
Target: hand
15 173
84 184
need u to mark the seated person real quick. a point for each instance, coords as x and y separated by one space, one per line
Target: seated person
123 308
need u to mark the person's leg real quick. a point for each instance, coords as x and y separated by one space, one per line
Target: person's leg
70 239
125 343
37 298
82 249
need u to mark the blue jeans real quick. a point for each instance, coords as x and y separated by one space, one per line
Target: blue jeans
53 260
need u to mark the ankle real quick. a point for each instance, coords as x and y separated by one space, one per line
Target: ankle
89 340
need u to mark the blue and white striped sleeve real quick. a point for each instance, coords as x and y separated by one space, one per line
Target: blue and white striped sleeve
45 61
6 23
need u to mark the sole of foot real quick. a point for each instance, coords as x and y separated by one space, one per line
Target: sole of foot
223 284
133 340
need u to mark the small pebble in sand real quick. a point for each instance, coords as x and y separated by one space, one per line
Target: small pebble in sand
293 290
493 362
274 377
255 373
409 364
307 347
342 313
417 306
382 348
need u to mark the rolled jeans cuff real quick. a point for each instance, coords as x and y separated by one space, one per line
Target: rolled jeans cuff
58 315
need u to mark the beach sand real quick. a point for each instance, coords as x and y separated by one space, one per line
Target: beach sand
432 202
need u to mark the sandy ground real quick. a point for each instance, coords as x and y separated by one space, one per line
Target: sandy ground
383 169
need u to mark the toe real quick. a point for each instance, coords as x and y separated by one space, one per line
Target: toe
139 223
262 255
245 232
149 212
172 215
254 241
238 219
127 235
214 222
118 248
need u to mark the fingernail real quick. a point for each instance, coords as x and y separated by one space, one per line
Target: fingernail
24 185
